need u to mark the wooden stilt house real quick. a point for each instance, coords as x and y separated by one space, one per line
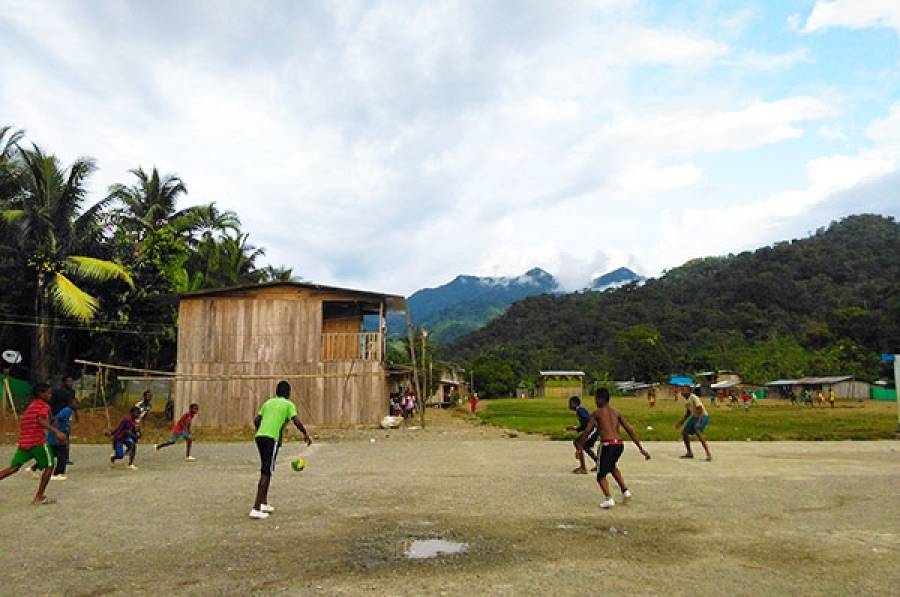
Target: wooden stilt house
236 343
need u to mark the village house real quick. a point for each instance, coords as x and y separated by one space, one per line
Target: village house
235 344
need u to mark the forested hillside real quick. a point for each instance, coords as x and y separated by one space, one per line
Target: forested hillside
829 303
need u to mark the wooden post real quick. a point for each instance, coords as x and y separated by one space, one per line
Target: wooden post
7 395
101 377
412 352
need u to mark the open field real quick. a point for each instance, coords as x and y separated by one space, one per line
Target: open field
769 419
763 518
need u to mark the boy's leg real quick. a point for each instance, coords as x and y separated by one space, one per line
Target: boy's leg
617 475
703 443
188 443
580 457
132 451
9 471
61 453
604 485
687 444
262 491
42 485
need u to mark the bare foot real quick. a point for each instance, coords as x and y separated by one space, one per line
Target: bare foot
580 470
687 456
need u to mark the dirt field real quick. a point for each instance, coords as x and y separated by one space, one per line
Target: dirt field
762 518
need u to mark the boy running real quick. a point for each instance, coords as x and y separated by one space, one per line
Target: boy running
270 422
583 417
608 420
697 419
33 425
125 438
182 429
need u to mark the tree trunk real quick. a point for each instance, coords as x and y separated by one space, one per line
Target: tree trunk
39 369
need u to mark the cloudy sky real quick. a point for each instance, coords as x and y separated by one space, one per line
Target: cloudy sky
392 146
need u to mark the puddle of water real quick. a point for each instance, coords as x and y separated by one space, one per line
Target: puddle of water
421 549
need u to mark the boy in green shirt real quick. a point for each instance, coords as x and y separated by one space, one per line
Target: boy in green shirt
273 415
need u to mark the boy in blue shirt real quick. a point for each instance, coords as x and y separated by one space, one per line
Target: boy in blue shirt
125 438
583 417
63 422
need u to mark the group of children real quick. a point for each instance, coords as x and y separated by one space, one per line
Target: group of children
604 424
45 426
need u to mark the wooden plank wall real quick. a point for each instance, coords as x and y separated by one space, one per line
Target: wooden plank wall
264 332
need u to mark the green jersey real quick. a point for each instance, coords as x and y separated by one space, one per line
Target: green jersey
273 414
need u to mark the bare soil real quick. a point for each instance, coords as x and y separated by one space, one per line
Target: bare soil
806 518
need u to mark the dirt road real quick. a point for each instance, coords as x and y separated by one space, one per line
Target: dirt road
800 518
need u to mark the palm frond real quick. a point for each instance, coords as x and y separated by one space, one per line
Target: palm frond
100 270
10 216
71 300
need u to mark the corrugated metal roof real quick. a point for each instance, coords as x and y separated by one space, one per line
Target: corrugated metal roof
783 382
561 372
724 384
811 381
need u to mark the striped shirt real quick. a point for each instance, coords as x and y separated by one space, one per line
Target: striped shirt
32 433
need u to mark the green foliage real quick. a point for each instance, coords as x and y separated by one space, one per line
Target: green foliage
771 419
114 263
826 304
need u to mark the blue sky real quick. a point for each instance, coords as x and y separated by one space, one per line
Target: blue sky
395 145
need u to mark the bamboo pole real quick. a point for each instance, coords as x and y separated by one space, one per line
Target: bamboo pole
412 351
7 395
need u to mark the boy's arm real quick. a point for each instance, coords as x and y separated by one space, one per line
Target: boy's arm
579 443
684 418
299 424
256 421
45 423
637 442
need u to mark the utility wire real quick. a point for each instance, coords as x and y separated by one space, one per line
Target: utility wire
82 328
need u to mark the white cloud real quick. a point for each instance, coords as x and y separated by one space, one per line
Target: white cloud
832 132
394 145
856 14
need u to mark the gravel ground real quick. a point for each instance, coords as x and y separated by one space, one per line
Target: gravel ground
786 517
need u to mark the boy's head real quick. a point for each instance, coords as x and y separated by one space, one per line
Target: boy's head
283 389
601 397
134 412
41 390
148 395
68 381
574 402
194 408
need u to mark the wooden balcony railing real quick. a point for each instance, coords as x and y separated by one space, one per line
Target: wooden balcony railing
362 346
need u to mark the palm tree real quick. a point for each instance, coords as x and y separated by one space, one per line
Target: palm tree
148 204
51 230
282 273
8 166
205 222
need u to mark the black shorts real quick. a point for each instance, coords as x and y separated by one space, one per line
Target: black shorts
609 456
268 451
591 439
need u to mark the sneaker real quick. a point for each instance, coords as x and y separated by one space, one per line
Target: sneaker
258 514
190 458
709 458
156 447
58 478
608 503
132 467
266 508
626 494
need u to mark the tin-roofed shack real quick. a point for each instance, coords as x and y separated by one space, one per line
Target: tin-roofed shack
328 342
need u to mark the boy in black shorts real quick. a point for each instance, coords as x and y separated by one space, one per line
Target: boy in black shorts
583 417
608 420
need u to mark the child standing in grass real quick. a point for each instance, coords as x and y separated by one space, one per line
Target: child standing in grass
182 429
33 425
831 397
125 438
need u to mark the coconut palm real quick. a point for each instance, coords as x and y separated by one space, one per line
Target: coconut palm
148 204
51 229
8 164
205 222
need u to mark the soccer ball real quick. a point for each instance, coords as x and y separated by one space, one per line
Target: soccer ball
298 465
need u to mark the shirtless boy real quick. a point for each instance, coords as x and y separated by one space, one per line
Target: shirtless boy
608 420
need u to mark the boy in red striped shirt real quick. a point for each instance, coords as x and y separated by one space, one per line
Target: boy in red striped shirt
182 429
33 427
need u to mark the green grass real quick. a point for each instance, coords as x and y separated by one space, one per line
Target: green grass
768 420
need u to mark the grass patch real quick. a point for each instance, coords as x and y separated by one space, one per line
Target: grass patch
768 420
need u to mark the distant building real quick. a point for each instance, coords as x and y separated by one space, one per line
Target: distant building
560 384
845 386
451 384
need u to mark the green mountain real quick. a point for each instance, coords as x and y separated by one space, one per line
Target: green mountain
829 303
